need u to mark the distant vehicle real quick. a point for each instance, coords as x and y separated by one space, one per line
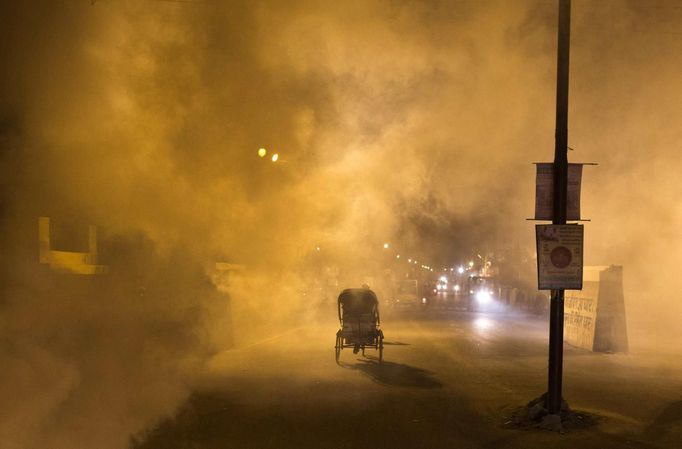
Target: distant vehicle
481 292
442 285
407 294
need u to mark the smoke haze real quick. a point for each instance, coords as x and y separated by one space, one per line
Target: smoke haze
407 122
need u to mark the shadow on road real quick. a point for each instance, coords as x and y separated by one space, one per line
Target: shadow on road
669 417
396 374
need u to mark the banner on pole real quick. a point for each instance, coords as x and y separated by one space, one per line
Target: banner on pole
560 256
544 191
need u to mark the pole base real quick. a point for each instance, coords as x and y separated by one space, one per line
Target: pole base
551 423
535 416
537 412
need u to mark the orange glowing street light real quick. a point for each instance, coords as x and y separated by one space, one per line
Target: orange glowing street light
262 152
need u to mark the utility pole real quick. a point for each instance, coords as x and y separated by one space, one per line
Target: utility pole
556 319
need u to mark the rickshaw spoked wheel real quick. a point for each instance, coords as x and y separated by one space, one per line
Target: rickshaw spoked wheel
338 348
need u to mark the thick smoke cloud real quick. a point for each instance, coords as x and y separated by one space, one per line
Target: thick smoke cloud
625 114
408 122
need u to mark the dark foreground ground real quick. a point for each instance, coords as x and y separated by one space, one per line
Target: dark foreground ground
449 380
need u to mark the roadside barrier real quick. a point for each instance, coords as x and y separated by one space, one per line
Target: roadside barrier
594 317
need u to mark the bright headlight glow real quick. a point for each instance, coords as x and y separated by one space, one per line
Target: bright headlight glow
482 296
483 324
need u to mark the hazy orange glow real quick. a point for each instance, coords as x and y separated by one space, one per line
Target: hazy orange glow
409 122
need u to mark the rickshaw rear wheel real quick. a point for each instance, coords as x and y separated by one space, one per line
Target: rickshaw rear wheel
338 348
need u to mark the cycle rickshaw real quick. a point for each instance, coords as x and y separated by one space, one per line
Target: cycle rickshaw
359 317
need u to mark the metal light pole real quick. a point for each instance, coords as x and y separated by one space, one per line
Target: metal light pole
556 319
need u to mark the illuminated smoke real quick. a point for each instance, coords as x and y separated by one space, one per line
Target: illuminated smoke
408 122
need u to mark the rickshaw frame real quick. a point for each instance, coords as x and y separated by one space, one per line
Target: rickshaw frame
359 330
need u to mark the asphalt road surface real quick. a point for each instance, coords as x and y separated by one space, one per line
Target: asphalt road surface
450 379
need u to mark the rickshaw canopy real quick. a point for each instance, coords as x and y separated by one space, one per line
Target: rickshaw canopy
356 302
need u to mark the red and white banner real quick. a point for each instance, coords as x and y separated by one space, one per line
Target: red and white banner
544 191
560 256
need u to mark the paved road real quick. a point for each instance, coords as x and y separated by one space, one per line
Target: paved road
450 379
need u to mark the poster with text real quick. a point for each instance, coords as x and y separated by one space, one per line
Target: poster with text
560 256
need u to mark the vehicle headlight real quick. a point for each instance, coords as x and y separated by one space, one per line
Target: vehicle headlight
483 296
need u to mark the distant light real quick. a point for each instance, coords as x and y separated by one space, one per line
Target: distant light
443 279
397 256
456 288
317 248
471 263
415 261
262 152
275 157
385 245
431 269
460 270
409 260
423 300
